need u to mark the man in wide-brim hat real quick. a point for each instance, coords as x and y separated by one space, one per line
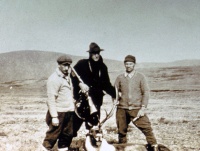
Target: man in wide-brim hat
94 74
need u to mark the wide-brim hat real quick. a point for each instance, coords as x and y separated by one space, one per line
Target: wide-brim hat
94 48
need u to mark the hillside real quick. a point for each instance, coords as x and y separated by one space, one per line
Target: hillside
178 63
173 106
24 65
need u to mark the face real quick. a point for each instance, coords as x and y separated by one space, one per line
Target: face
64 68
95 56
129 66
97 134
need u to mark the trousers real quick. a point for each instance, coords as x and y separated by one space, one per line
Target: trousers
62 133
125 116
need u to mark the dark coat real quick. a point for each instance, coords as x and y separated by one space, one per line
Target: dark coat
95 75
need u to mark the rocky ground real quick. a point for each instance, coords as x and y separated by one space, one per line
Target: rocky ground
174 111
176 122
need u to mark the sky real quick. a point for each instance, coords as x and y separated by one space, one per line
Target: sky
151 30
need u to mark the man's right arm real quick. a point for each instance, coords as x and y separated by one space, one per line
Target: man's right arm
52 93
53 87
117 90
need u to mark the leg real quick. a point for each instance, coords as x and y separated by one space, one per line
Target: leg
144 125
66 135
53 133
77 122
93 119
122 125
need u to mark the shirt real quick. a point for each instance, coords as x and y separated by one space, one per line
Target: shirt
133 90
60 93
130 75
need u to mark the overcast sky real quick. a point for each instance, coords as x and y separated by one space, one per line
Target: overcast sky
152 30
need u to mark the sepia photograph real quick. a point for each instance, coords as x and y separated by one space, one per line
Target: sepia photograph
99 75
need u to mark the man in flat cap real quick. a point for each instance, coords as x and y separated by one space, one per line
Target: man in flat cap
94 74
60 104
133 100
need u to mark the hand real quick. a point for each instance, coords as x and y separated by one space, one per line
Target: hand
78 104
116 102
142 112
55 121
84 88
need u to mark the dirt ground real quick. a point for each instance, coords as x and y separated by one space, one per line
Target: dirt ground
174 112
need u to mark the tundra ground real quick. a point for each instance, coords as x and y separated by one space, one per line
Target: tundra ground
174 111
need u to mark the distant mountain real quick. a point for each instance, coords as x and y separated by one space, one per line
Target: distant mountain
195 62
23 65
179 63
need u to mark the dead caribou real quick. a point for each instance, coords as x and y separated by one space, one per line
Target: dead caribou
95 140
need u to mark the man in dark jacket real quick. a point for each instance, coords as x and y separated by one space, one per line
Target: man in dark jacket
94 74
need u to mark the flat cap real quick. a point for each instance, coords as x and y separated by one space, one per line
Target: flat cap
130 58
64 59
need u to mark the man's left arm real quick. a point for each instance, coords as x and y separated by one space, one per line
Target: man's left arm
145 92
145 97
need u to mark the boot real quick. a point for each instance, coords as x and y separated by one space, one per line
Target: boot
122 139
155 147
63 149
45 149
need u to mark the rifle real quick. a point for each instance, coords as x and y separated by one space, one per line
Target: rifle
88 98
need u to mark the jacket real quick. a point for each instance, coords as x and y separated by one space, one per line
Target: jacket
95 75
60 95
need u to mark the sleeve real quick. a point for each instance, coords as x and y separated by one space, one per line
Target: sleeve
117 89
52 93
145 91
117 83
75 82
107 86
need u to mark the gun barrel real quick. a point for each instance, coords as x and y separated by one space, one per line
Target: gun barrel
74 71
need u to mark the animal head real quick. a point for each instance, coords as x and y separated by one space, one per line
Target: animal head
94 139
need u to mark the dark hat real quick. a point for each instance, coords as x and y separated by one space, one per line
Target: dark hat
130 58
65 59
94 48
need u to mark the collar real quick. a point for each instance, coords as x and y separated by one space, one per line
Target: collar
60 74
130 75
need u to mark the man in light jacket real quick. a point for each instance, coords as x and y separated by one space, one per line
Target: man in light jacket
60 104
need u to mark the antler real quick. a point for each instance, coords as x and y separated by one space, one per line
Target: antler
108 115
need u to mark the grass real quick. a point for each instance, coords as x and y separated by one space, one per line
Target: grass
174 111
